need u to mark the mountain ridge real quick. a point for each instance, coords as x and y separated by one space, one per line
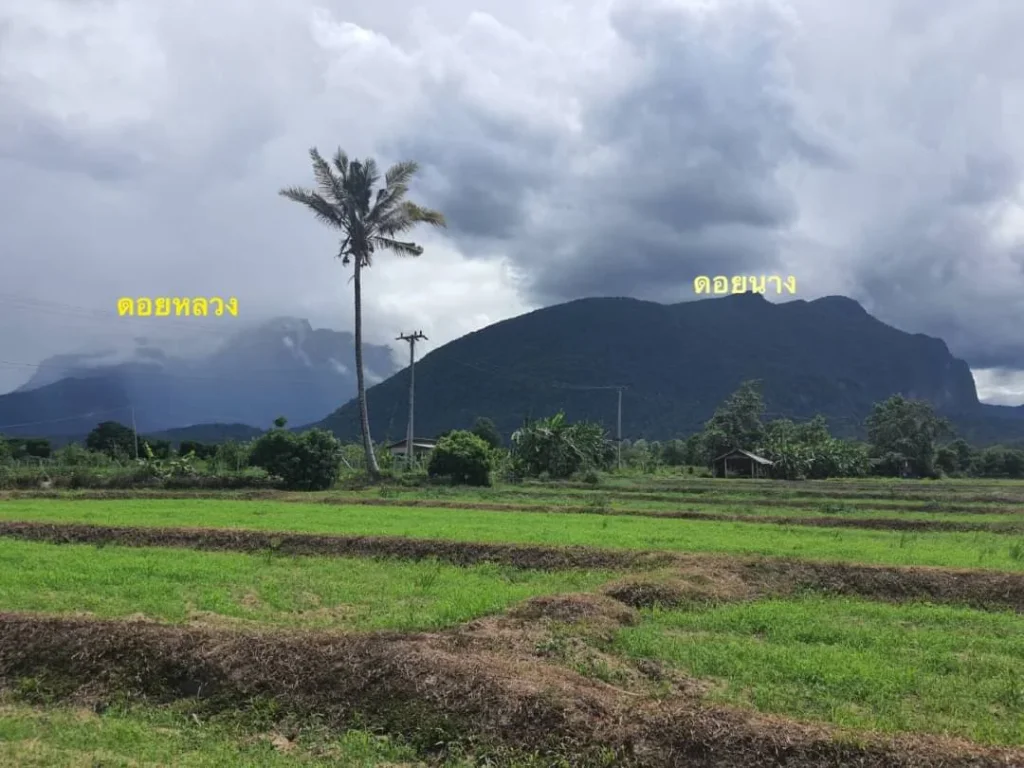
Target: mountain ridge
678 362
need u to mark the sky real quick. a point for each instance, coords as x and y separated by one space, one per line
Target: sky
581 148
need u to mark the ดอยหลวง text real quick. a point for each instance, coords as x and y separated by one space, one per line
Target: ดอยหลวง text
178 306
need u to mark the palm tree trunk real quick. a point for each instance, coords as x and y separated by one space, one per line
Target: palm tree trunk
364 416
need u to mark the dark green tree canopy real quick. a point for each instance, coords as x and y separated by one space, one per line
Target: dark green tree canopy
903 433
111 438
736 423
485 429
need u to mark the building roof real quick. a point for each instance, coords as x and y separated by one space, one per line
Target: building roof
417 442
748 454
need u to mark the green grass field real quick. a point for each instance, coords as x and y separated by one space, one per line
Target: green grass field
863 666
955 550
853 663
309 592
64 737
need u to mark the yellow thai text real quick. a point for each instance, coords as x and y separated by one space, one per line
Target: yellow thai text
179 307
743 284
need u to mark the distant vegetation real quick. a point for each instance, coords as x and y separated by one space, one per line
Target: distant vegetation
905 438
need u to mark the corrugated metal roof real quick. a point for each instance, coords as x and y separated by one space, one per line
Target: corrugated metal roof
748 454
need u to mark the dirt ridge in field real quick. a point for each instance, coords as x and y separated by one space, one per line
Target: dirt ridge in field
929 503
744 577
472 682
835 520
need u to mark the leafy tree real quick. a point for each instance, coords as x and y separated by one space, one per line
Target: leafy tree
736 423
280 422
782 445
201 450
903 433
232 455
369 219
161 449
305 462
112 438
673 453
463 457
486 430
560 449
6 454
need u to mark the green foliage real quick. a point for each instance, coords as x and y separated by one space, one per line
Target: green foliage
21 448
201 450
485 429
232 456
808 450
463 457
997 461
735 424
280 422
902 434
112 438
305 462
642 456
558 449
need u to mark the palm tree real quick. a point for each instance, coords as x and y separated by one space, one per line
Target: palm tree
369 218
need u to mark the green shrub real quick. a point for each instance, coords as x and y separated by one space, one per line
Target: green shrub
462 457
305 462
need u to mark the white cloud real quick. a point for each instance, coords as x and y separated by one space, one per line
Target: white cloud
873 150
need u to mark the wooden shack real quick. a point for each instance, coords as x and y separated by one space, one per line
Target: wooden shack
740 463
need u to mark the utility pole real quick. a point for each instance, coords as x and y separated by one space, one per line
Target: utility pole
135 432
619 430
412 338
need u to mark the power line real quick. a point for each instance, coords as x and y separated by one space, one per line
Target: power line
66 418
410 437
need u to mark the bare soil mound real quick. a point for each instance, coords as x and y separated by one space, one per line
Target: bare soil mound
436 688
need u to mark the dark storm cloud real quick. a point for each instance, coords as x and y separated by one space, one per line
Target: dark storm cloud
873 150
670 177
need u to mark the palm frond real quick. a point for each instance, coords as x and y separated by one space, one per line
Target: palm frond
330 185
371 170
359 187
397 246
422 215
341 162
322 209
401 173
405 216
388 199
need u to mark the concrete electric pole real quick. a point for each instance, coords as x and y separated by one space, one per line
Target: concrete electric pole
412 338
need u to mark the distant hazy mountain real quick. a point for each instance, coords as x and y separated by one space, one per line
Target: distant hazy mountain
281 368
679 363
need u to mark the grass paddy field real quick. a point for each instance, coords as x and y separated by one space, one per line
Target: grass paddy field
660 621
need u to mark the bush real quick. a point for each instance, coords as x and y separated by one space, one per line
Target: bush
463 457
306 462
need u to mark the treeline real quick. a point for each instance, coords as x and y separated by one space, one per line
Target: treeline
904 438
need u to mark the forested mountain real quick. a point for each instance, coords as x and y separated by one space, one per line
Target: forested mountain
678 362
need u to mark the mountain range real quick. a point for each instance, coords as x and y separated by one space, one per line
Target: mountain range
280 368
676 364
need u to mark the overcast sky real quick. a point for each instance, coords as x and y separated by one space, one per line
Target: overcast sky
580 148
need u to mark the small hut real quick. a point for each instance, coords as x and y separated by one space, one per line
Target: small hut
420 447
740 463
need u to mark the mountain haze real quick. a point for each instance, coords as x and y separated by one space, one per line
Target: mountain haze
281 368
679 362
